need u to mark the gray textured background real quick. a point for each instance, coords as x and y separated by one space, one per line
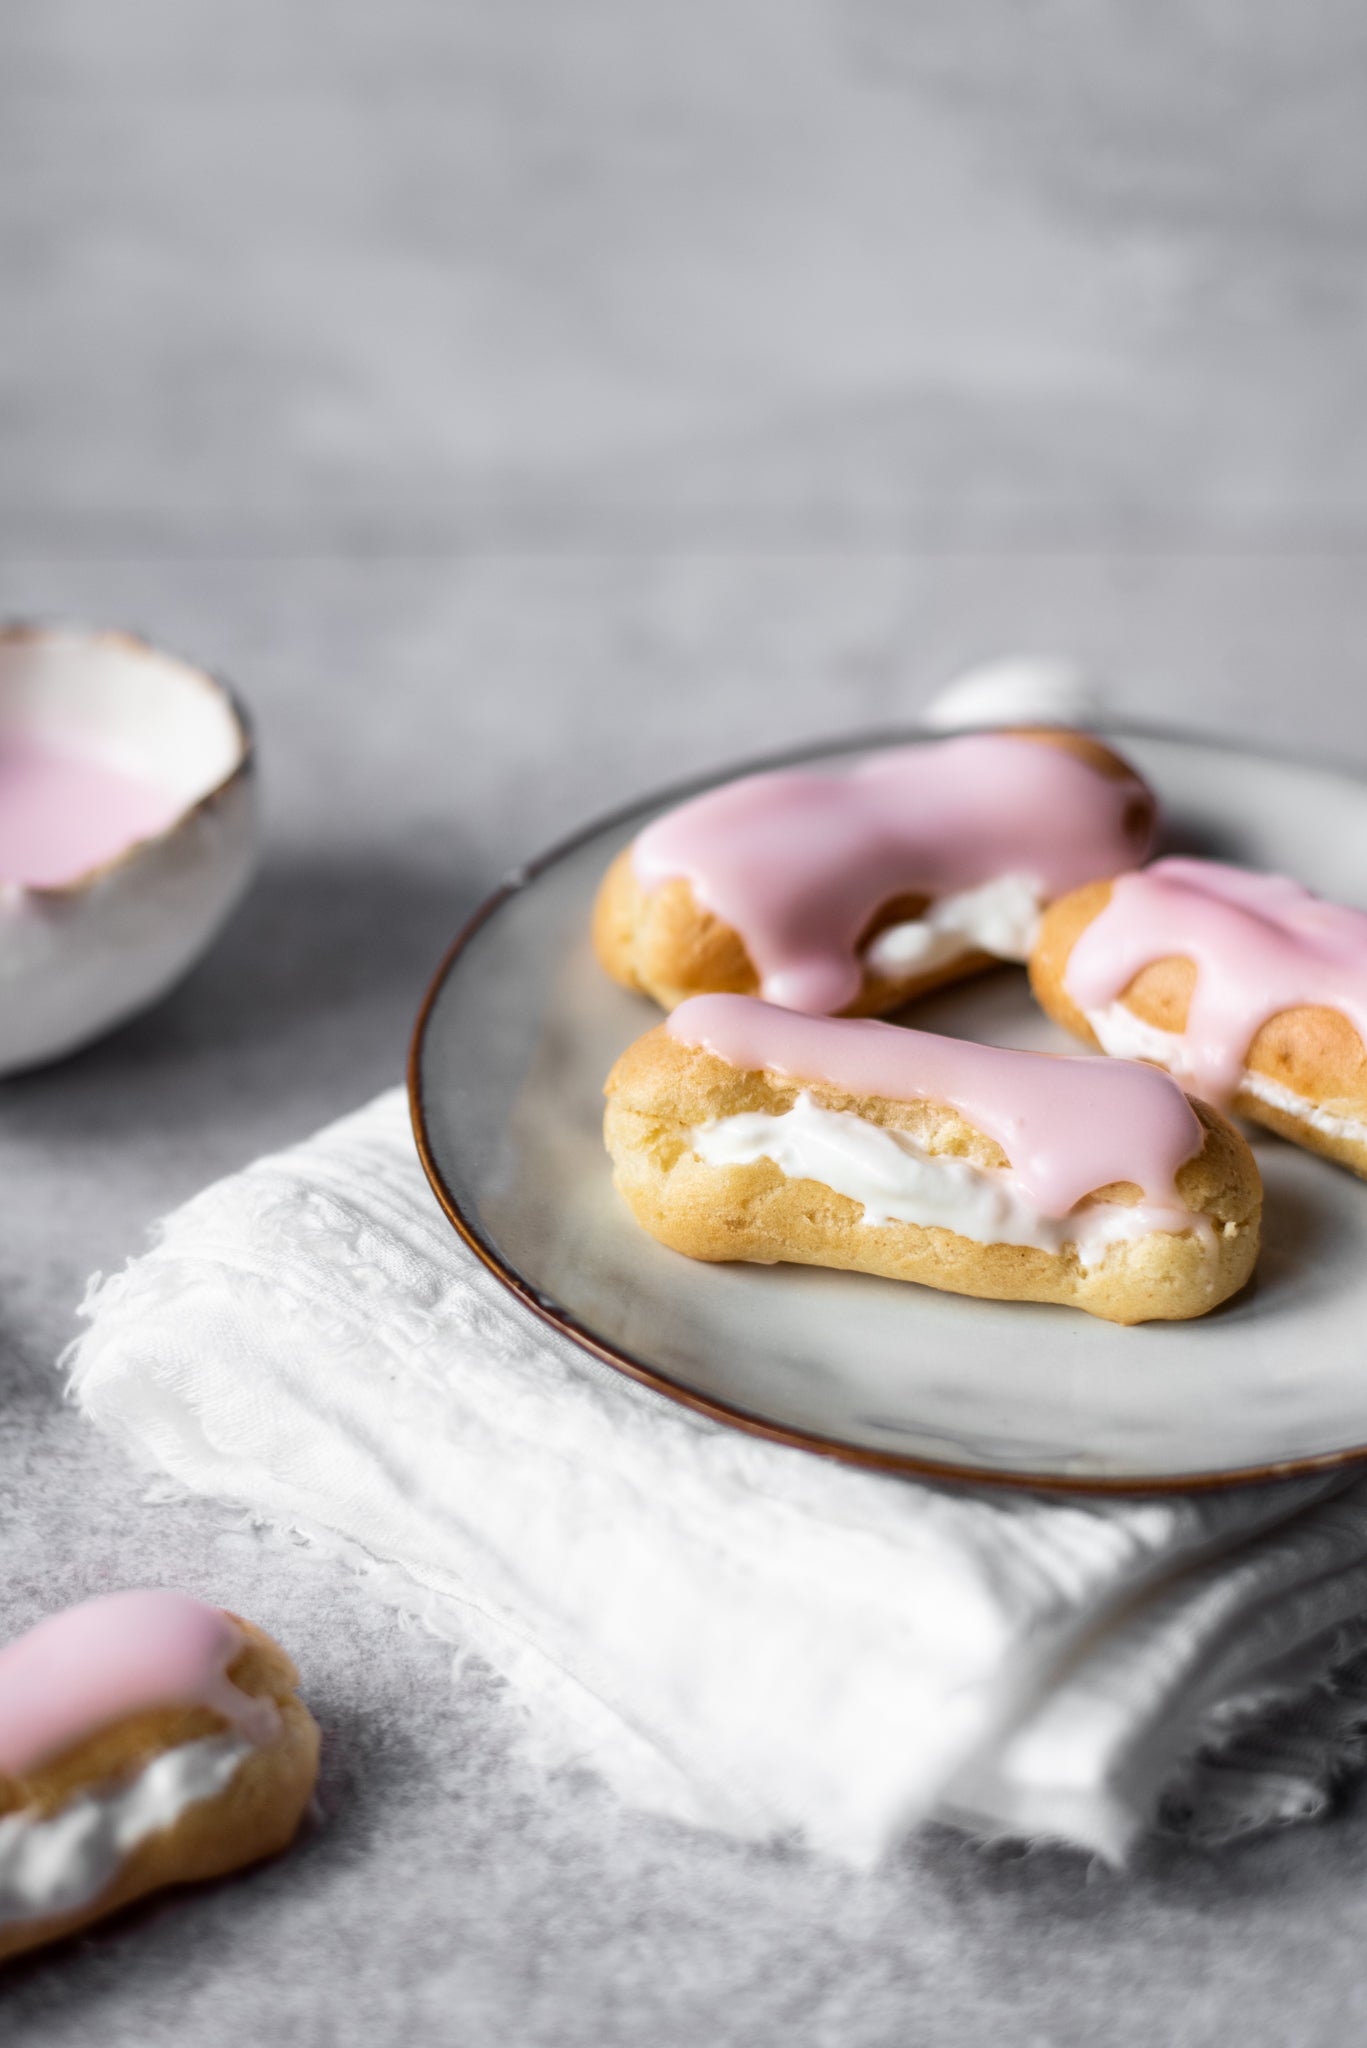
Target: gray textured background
526 404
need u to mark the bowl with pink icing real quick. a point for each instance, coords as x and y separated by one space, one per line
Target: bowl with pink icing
127 831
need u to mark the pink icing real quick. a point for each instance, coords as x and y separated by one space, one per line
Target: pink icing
62 813
93 1665
1068 1126
798 862
1260 943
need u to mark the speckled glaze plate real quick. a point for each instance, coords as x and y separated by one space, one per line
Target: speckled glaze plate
511 1048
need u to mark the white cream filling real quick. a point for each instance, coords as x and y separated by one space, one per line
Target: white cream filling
1127 1037
62 1863
898 1182
1001 917
1354 1129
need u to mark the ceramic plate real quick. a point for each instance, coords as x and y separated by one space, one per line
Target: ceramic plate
509 1056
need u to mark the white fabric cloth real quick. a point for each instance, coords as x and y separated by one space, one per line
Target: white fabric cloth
747 1637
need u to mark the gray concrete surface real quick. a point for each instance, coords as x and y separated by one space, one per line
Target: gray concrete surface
526 405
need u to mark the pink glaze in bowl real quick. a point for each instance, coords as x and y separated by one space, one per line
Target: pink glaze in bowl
127 830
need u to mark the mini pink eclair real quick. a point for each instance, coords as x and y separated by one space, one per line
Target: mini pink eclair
739 1130
145 1740
1245 986
852 892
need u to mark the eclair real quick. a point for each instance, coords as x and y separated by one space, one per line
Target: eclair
1245 986
739 1130
145 1740
850 893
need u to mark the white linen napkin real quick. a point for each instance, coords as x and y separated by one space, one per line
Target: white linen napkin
746 1637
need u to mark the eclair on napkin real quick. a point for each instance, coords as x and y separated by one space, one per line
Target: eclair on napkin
852 892
1248 988
743 1131
145 1740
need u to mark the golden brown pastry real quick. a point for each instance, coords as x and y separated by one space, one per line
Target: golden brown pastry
1245 986
740 1131
145 1740
850 893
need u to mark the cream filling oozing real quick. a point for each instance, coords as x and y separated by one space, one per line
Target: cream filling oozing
65 1861
1001 917
1127 1037
898 1182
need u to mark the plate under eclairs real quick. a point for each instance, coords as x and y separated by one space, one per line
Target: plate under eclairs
520 1027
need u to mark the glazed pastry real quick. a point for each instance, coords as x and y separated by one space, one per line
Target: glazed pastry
145 1740
1245 986
743 1131
850 893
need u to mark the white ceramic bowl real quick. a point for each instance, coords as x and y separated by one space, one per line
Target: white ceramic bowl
82 956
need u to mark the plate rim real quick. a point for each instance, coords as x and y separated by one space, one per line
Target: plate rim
558 1317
